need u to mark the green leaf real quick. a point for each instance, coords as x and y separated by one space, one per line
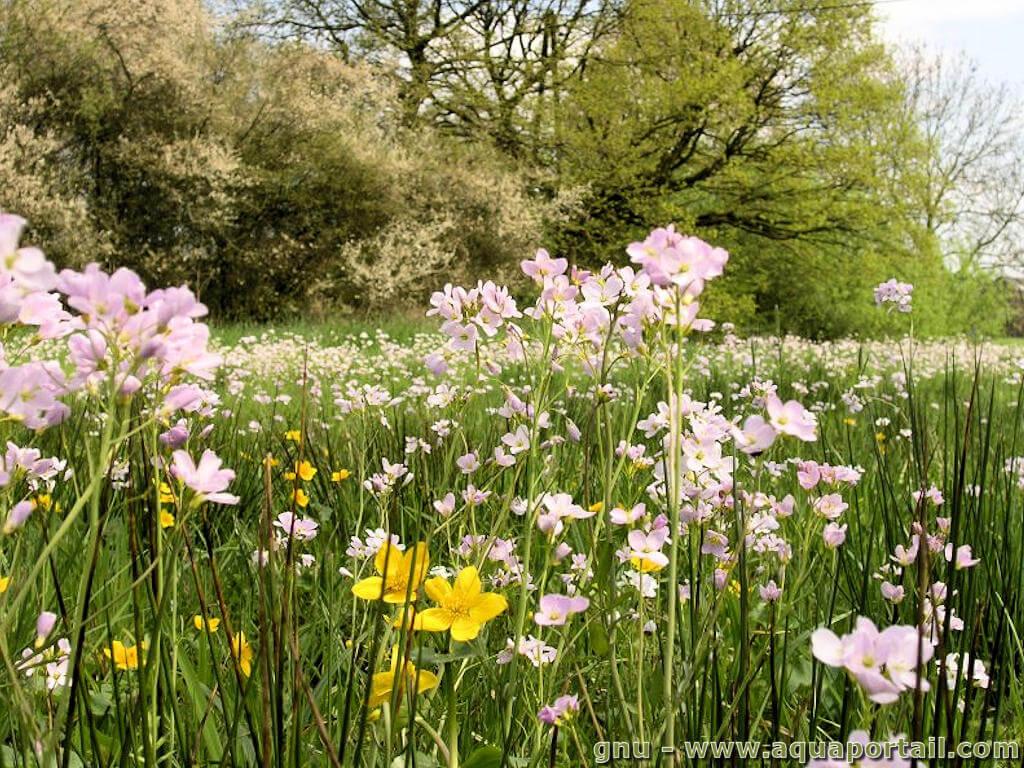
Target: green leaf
484 757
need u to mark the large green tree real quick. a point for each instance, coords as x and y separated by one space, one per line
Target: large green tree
767 126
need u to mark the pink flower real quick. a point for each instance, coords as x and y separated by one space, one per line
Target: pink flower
669 258
834 535
301 528
883 663
543 266
560 712
892 593
895 293
44 626
645 548
28 268
29 392
207 479
463 337
469 463
18 515
830 506
790 418
770 592
620 516
808 474
756 436
517 441
446 506
963 556
555 610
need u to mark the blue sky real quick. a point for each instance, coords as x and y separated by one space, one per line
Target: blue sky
990 31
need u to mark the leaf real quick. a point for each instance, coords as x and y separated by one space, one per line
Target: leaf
199 694
420 761
484 757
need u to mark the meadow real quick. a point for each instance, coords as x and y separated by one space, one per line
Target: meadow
503 536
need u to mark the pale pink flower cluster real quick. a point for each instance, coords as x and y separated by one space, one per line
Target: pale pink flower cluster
885 663
894 293
588 310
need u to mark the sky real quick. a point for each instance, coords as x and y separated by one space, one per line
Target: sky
990 31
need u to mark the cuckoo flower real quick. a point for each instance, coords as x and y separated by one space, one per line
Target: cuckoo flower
790 418
555 610
206 479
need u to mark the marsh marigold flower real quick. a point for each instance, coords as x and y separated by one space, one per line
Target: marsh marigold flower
303 470
399 677
462 609
201 624
124 656
401 574
241 651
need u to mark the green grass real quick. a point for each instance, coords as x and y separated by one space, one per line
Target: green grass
740 668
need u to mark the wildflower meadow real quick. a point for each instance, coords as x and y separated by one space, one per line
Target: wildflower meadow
540 524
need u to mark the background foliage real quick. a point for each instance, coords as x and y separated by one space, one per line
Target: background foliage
324 156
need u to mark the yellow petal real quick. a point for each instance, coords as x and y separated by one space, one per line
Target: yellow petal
369 588
398 597
380 688
434 620
438 589
425 680
464 628
416 562
487 606
389 556
467 583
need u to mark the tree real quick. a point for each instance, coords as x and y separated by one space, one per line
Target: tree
271 178
970 190
403 33
764 125
484 69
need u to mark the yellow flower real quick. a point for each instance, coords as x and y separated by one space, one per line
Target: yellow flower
398 678
880 437
339 475
597 506
5 582
300 497
645 565
294 435
463 609
242 653
303 470
123 656
404 573
166 495
210 625
166 519
850 422
44 502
